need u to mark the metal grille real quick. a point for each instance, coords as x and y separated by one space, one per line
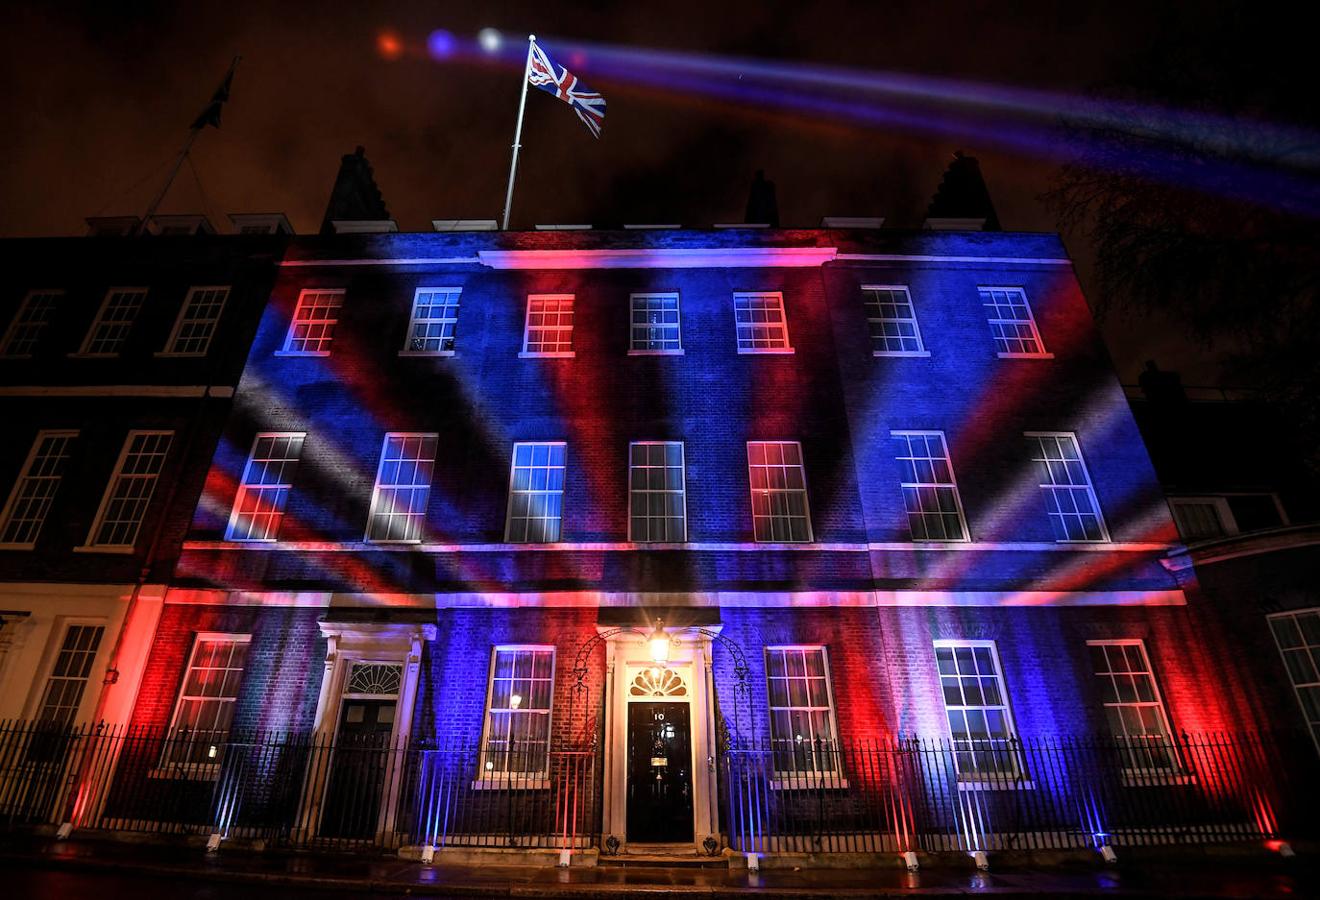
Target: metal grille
374 678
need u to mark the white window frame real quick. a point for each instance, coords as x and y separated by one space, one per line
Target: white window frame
787 347
196 769
1132 742
633 325
917 485
1047 488
993 321
563 492
682 491
806 494
527 353
413 321
490 778
61 634
1014 775
172 345
1313 650
115 475
871 319
86 349
378 488
231 532
287 348
1222 511
17 323
813 774
24 475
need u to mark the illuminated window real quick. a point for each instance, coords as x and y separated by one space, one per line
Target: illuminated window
68 676
403 485
549 329
1011 322
1298 636
802 735
779 491
205 710
129 493
657 508
892 321
761 323
434 318
655 324
314 319
30 500
197 321
517 731
930 494
267 480
977 709
1069 498
536 493
1133 707
29 323
114 321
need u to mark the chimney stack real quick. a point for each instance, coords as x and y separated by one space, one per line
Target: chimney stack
762 206
962 201
355 196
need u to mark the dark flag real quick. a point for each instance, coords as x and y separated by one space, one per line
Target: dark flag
211 114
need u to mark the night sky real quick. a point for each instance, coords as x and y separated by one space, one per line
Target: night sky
98 97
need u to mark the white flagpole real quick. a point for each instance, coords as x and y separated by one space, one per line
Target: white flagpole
517 134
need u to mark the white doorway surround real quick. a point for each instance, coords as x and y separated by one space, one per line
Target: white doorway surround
633 676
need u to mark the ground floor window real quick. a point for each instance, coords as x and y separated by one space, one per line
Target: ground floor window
205 709
68 676
802 735
1298 637
518 704
976 704
1133 707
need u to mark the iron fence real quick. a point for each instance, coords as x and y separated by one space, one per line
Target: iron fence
1023 793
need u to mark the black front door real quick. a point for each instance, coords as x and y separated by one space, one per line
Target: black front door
659 773
360 759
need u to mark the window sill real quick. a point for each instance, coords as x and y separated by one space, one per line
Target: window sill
426 352
911 354
807 781
302 353
766 351
1007 783
186 772
655 352
170 354
81 355
16 356
370 542
1025 355
1154 778
558 354
18 546
514 783
95 548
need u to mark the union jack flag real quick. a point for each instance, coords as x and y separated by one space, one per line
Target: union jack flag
589 105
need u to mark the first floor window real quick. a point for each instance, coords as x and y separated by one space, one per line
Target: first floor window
69 675
1202 518
34 492
433 321
802 735
314 321
1297 635
656 499
536 493
655 326
267 480
1011 322
1070 499
762 326
1133 708
976 706
779 491
517 739
114 321
891 320
549 328
197 321
403 486
129 493
29 323
930 493
205 710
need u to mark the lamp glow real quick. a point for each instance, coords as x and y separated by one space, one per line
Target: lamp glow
659 644
515 701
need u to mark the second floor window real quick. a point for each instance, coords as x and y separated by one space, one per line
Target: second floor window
655 324
930 494
977 709
204 712
761 323
34 492
657 505
517 738
267 480
129 493
1132 703
403 487
314 321
1011 322
891 320
25 331
802 735
68 677
1070 499
779 491
536 493
431 327
197 321
114 321
549 327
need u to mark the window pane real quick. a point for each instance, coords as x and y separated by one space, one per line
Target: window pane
930 496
